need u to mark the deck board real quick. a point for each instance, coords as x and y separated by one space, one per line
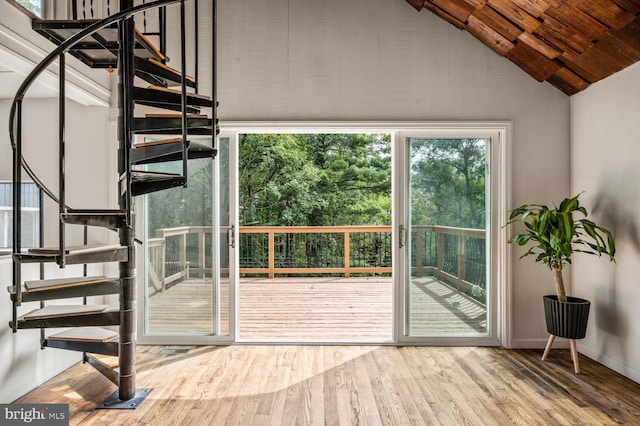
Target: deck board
316 309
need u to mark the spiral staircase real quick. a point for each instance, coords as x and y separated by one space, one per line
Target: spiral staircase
113 42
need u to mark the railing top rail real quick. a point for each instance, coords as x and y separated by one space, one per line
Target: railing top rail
467 232
314 229
155 242
181 230
170 232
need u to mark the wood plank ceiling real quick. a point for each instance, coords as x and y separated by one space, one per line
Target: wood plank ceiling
568 43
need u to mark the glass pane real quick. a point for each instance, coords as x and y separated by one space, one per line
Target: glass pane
224 220
180 290
33 6
31 200
447 289
315 237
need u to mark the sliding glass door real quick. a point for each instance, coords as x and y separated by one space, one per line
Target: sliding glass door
187 292
435 275
449 287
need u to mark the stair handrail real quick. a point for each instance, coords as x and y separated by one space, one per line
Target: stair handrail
48 60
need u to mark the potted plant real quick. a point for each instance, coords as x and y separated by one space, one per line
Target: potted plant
554 235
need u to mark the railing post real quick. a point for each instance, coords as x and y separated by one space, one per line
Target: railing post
440 251
17 216
271 254
163 264
196 43
201 251
162 25
183 255
461 263
183 94
61 158
347 255
419 249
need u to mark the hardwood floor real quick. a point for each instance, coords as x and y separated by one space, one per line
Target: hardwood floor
366 385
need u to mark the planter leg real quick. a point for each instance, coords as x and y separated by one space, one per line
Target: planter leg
548 347
574 356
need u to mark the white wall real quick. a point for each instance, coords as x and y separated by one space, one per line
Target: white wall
349 60
91 184
605 156
90 158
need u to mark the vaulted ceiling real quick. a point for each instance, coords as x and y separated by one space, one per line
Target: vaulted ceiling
568 43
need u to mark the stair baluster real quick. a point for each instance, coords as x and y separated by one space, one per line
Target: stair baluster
17 215
61 157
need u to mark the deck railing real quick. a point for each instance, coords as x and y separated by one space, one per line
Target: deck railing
312 250
456 255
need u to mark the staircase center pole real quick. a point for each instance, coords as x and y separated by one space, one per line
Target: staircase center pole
127 352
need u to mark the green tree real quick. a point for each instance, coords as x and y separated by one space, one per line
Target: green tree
356 178
182 206
32 6
277 181
315 179
448 182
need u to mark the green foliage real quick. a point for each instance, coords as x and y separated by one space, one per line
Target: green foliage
315 179
32 6
179 206
448 182
556 234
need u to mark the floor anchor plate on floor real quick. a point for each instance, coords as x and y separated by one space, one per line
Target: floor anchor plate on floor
113 402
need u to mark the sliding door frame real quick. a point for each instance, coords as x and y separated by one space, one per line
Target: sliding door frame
145 337
501 202
499 160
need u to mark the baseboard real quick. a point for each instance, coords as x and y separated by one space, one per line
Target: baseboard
610 362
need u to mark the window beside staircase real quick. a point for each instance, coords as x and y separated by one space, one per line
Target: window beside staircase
31 205
32 6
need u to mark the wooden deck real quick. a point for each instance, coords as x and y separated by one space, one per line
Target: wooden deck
316 309
336 309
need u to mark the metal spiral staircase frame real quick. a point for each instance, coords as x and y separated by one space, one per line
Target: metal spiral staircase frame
79 38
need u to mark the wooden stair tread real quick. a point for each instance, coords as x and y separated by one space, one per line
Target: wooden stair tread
199 125
97 51
96 211
107 360
157 115
58 311
153 175
86 334
160 142
74 249
51 284
178 92
167 68
148 44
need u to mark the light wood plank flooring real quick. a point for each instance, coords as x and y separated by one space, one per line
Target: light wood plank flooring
316 309
348 385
